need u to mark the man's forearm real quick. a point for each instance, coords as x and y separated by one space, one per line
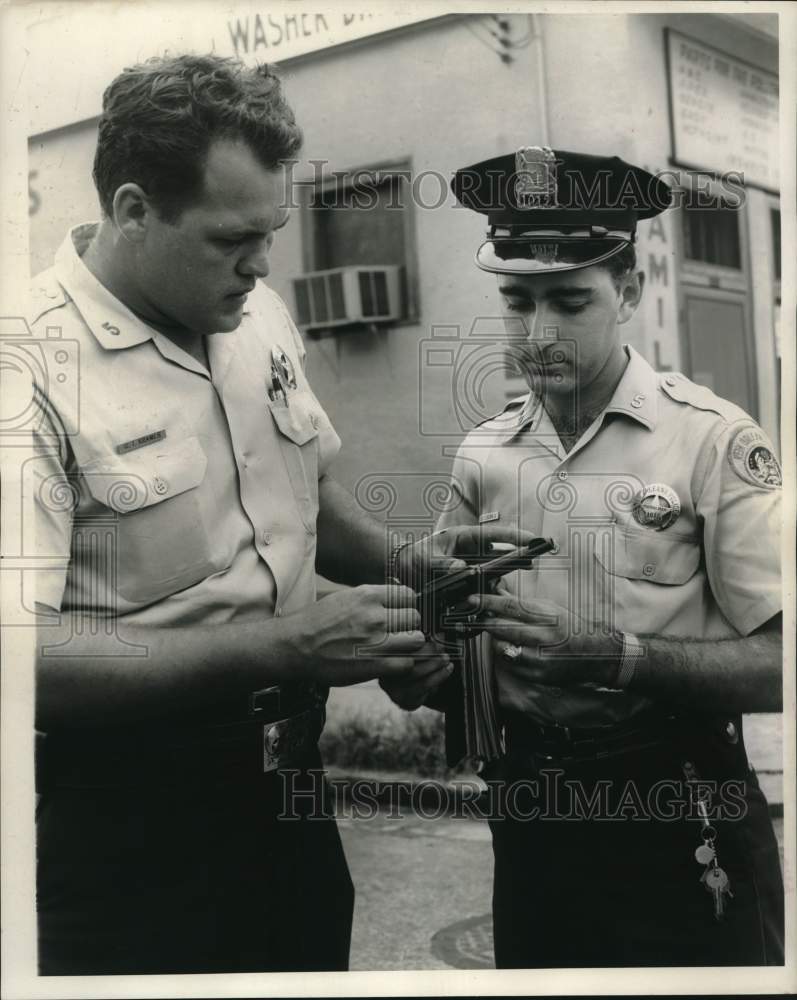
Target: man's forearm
351 545
176 671
731 675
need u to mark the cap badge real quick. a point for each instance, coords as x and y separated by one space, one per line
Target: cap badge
535 177
752 459
656 506
546 253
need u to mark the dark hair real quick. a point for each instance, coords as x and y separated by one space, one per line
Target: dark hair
621 263
160 117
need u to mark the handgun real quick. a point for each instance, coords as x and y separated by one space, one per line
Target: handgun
468 697
445 616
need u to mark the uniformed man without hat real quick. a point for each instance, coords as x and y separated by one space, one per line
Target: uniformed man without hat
182 481
631 829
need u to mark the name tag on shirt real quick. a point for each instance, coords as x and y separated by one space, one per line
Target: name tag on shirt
142 442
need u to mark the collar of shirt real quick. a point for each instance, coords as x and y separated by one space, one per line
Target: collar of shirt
636 396
114 326
637 392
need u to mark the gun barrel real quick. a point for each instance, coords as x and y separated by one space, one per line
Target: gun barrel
458 585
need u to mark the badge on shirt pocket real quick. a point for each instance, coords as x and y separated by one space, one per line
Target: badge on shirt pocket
656 506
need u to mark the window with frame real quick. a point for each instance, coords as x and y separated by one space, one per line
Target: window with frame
711 235
364 218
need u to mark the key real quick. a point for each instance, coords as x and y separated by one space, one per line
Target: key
705 854
718 884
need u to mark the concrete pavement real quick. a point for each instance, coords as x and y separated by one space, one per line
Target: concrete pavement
423 891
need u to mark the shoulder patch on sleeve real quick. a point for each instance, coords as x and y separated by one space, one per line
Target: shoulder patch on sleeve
752 459
682 390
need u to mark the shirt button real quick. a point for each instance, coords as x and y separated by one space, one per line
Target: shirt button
648 569
562 475
731 733
314 420
669 381
266 536
160 485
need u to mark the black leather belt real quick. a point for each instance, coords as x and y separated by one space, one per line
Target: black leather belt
564 743
281 726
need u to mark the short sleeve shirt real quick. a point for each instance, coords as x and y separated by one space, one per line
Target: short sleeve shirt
665 514
163 491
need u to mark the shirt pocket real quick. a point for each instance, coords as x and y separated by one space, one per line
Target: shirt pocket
297 425
647 578
154 518
651 557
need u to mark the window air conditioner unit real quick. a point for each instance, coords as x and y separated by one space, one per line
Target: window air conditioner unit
345 296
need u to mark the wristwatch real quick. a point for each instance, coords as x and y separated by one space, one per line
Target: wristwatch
392 563
633 651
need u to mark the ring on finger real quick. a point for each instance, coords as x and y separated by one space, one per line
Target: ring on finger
511 652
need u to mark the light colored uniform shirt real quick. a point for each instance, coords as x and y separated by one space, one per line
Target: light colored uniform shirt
713 573
172 494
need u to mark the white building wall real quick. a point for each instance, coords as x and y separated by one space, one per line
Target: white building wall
435 94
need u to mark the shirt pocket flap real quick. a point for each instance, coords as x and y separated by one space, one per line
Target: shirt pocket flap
296 420
132 482
656 558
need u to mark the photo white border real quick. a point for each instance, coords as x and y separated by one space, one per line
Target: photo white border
18 940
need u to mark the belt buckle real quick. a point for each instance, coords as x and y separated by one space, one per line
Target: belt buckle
283 739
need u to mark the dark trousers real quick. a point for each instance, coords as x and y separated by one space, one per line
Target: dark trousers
622 888
198 877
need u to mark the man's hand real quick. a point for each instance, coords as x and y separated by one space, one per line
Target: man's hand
444 551
556 648
355 635
411 689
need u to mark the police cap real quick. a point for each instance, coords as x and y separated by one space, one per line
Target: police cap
553 210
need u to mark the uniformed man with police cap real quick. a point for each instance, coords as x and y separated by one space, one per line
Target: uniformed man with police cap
631 829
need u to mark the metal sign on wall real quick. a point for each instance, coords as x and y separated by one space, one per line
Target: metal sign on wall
723 112
273 34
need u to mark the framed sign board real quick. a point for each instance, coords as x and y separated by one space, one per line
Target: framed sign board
723 112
